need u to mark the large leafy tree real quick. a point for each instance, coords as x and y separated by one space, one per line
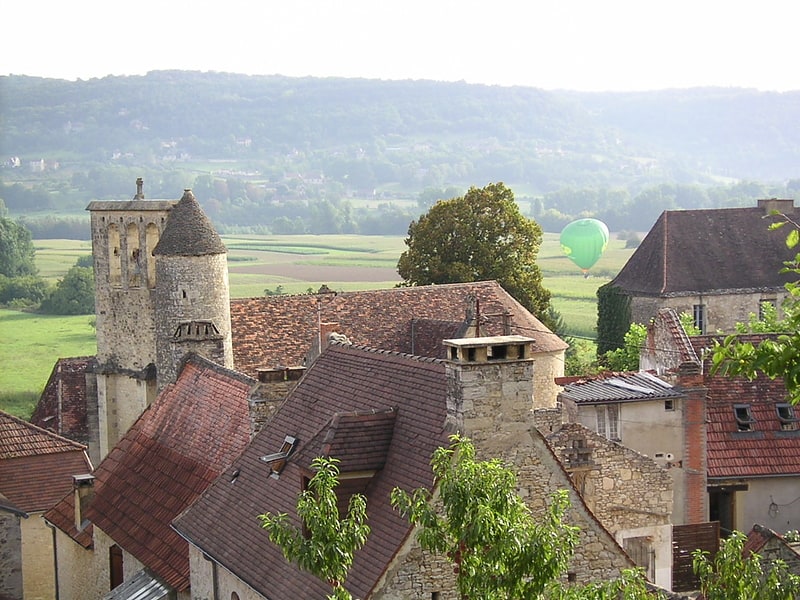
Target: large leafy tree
327 544
499 550
16 249
479 236
73 295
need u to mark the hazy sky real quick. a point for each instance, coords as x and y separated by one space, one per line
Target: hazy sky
551 44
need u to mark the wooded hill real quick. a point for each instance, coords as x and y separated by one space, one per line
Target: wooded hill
282 139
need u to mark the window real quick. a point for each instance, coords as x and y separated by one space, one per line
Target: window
277 461
115 566
787 416
669 405
744 418
608 421
699 314
766 308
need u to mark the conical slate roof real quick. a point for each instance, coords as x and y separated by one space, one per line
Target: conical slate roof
189 232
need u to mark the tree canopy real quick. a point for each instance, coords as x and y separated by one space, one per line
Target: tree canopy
73 295
16 249
479 236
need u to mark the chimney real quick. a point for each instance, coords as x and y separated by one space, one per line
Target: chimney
695 497
490 386
274 385
139 185
83 490
781 205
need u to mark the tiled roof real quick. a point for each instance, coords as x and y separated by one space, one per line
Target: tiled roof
188 231
608 388
36 466
62 405
766 450
62 515
193 431
702 250
280 330
340 388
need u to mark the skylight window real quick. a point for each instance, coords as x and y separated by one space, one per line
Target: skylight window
744 418
787 416
277 460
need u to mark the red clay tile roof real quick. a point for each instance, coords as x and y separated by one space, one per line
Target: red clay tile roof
764 451
280 330
36 466
62 405
62 515
193 431
704 250
344 380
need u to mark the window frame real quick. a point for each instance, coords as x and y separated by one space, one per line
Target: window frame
743 414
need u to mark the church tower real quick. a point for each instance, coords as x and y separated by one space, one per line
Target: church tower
192 296
124 234
161 291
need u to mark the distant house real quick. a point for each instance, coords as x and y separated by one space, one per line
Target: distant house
719 265
753 434
772 546
37 468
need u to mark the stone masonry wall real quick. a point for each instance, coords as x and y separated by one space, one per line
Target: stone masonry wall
624 489
10 555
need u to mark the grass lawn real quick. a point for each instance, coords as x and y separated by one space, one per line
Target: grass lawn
31 345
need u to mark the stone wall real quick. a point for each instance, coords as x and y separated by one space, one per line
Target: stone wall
38 569
723 310
10 555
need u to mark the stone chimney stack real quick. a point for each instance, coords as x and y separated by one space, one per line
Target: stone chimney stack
695 497
490 387
83 490
782 205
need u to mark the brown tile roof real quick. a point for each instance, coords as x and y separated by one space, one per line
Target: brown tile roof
36 466
193 431
702 250
62 515
764 451
62 405
341 388
279 330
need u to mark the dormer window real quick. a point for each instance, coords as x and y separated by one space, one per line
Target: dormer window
744 418
787 416
277 460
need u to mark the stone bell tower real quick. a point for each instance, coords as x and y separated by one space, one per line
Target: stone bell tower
124 234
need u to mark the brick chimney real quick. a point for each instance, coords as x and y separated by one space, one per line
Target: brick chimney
690 380
490 387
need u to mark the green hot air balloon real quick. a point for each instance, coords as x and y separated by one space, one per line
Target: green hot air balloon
583 241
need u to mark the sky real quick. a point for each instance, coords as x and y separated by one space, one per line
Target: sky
586 45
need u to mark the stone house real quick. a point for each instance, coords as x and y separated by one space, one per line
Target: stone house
652 417
752 433
771 547
179 445
629 493
719 265
37 468
382 414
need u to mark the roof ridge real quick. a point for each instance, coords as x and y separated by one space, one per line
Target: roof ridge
372 350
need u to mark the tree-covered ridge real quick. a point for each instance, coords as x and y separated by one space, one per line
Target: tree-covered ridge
309 155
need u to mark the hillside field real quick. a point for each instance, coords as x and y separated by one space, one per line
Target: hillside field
267 264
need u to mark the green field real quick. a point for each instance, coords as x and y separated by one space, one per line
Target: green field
286 264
